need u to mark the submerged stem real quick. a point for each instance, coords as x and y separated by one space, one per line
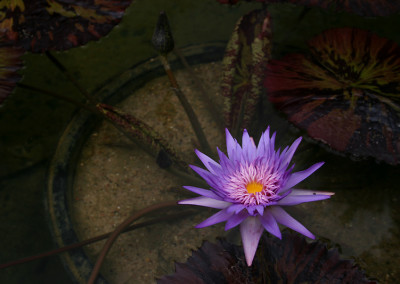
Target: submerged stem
58 96
215 113
120 229
92 240
198 130
71 78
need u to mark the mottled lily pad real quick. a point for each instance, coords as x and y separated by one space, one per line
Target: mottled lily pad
345 92
360 7
290 260
10 63
244 63
40 25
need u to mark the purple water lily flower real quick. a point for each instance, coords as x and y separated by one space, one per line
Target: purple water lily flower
250 186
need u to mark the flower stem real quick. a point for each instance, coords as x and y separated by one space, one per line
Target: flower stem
198 130
215 113
58 96
65 72
119 230
93 240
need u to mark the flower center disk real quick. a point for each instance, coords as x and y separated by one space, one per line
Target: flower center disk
254 187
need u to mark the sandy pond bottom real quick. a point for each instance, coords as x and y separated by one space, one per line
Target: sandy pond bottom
115 178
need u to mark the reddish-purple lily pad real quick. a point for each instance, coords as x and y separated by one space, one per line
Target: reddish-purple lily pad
360 7
40 25
345 92
244 63
10 63
290 260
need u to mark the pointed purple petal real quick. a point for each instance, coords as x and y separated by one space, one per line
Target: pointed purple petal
236 219
297 199
297 177
272 144
270 224
249 148
207 161
232 147
284 218
260 146
203 192
251 231
206 202
226 164
289 154
236 208
260 209
218 217
310 192
207 176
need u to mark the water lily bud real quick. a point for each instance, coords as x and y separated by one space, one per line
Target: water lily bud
162 39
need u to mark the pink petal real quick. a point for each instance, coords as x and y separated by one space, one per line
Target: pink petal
284 218
205 201
251 231
297 199
203 192
297 177
218 217
207 161
270 224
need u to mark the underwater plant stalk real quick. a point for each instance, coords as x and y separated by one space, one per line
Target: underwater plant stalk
58 96
186 105
200 85
93 240
179 171
65 72
119 230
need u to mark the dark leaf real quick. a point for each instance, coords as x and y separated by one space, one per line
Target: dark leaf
10 63
220 263
290 260
144 135
345 93
40 25
360 7
228 1
243 68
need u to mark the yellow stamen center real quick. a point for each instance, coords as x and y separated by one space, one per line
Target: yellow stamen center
254 187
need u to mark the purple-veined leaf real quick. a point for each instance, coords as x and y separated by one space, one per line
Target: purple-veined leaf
359 7
243 68
41 25
290 260
10 63
345 92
